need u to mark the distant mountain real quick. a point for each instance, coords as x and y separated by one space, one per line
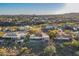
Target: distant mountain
62 17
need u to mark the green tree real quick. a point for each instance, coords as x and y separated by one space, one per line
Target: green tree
50 50
52 33
75 43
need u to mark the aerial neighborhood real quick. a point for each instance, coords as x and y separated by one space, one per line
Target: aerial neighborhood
39 35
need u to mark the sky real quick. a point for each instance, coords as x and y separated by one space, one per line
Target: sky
38 8
69 8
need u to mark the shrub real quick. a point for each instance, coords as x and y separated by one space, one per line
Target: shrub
74 43
67 43
52 33
49 50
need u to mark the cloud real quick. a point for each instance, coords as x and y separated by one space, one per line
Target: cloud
69 8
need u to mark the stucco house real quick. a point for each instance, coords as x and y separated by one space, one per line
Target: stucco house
38 41
16 36
61 39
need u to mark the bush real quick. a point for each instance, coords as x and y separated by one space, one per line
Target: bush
74 43
24 50
52 33
67 43
50 50
77 53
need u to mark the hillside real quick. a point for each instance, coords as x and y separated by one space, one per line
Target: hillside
38 19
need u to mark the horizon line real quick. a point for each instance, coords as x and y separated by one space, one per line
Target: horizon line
40 14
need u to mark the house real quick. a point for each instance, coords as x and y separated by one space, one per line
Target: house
61 39
78 28
6 41
22 28
1 41
47 28
77 35
67 27
17 37
38 41
34 38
